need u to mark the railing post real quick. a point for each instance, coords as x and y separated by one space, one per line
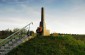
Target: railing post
29 27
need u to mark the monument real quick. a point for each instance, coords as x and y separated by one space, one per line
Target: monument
41 30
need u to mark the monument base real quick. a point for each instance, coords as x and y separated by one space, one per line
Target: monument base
46 33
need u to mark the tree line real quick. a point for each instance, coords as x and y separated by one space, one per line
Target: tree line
5 33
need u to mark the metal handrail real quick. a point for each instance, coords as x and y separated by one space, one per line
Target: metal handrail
14 34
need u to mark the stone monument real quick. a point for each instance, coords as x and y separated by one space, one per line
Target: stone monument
41 30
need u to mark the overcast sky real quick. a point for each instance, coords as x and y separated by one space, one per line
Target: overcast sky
62 16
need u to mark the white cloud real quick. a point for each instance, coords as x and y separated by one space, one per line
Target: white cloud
19 17
67 20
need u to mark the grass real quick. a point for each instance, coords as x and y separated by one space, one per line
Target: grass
59 45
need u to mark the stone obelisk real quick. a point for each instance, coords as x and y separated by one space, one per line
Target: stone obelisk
42 27
42 23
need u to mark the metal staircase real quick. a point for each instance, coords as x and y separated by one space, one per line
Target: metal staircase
14 40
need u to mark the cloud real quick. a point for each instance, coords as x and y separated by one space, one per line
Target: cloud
10 17
67 19
61 16
13 0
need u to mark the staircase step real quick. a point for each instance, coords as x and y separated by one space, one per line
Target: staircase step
2 47
19 41
13 40
10 42
15 45
2 50
6 47
2 53
10 45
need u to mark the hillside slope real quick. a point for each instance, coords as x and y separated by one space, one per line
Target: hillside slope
61 45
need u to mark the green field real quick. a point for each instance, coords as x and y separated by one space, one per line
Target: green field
51 45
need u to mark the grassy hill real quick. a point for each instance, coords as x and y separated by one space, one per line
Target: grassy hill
59 45
79 37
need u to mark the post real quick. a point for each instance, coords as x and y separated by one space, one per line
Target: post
29 27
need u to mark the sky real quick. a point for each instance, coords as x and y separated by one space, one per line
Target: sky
61 16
